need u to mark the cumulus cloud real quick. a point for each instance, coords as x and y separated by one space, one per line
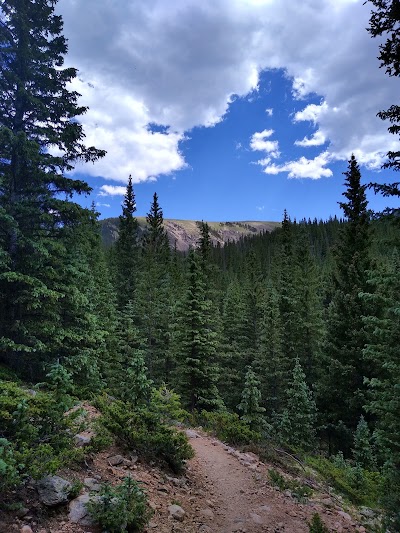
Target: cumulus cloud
181 63
269 111
316 139
259 143
112 190
303 167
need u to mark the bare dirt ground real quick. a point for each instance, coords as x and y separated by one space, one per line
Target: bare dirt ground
222 491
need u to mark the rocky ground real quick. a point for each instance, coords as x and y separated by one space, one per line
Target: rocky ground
222 491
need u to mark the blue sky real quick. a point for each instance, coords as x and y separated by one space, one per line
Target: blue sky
232 110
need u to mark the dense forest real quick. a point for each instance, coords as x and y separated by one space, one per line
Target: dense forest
293 335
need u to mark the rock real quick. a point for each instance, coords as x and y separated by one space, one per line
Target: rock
53 490
152 525
83 439
205 529
367 512
346 516
176 512
22 512
92 484
191 434
338 527
116 460
26 529
78 513
256 518
207 513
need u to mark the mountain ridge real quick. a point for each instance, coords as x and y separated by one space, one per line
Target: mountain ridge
184 234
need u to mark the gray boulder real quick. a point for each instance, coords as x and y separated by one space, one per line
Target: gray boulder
53 490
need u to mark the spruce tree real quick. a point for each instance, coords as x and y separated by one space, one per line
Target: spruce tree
41 138
342 390
253 413
125 256
153 294
298 420
382 353
196 344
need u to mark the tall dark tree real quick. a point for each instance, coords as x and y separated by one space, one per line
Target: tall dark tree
154 288
385 21
197 344
343 396
40 140
127 250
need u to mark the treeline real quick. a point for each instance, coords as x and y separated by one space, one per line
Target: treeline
296 331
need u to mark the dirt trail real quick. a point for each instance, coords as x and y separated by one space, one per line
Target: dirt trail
244 500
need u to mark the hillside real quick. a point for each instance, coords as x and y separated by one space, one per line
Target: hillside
185 233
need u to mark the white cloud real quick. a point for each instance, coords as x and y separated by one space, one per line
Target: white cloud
180 63
311 113
260 207
303 168
259 143
269 111
99 204
112 190
316 139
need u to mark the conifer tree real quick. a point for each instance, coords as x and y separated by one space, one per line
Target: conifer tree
38 114
382 354
253 413
297 423
197 344
126 252
154 286
342 396
269 361
362 452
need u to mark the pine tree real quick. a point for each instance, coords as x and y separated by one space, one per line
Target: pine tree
38 114
153 295
382 352
253 413
269 361
385 20
125 257
362 452
297 423
197 344
342 392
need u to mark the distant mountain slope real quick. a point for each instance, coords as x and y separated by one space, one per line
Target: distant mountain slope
185 233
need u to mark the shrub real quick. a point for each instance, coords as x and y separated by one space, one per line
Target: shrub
121 508
228 427
142 430
9 476
316 525
40 433
167 403
299 491
360 486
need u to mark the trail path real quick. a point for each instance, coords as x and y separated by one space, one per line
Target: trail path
222 491
241 498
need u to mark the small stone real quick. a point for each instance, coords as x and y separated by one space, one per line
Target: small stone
83 439
207 513
205 529
256 518
92 484
338 527
26 529
346 516
361 529
116 460
191 434
22 512
176 512
152 525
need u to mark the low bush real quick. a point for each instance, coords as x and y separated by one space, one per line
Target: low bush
36 435
121 508
300 491
227 427
142 429
360 486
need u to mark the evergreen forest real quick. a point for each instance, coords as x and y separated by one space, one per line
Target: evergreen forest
290 337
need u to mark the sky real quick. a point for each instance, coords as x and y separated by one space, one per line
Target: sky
229 109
